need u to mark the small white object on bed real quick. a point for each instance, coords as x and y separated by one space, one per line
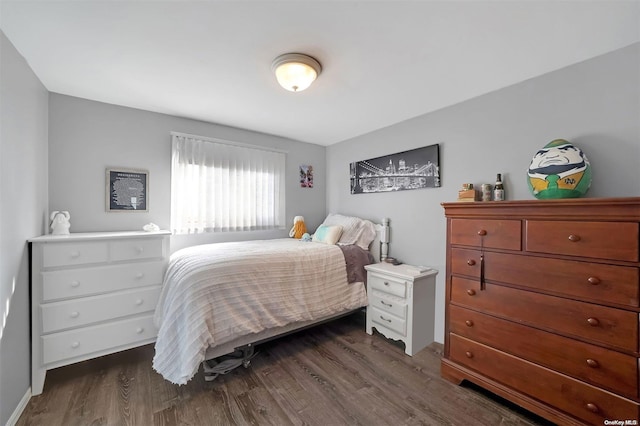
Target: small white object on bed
218 297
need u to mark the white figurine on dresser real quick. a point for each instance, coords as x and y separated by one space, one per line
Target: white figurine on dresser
402 303
92 294
60 223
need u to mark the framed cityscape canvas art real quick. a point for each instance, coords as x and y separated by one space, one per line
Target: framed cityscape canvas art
414 169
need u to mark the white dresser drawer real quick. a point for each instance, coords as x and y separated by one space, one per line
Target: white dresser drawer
389 304
84 341
136 248
387 284
86 281
73 253
387 320
87 310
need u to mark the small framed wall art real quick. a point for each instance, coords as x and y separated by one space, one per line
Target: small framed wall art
127 190
306 176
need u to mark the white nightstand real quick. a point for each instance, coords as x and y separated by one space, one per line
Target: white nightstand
402 303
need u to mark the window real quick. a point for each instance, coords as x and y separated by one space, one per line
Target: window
221 186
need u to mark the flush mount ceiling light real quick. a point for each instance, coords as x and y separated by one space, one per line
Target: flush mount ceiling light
295 71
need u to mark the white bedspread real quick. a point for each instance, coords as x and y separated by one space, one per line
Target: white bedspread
213 293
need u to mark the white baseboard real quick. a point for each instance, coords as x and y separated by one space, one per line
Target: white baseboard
20 408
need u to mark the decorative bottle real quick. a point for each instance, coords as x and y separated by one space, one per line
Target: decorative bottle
498 189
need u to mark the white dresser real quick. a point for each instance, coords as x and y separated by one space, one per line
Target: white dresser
92 294
401 304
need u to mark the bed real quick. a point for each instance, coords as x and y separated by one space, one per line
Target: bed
220 299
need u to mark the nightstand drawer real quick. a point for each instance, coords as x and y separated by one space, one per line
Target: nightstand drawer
388 320
388 304
103 279
88 310
387 284
136 248
85 341
604 240
73 253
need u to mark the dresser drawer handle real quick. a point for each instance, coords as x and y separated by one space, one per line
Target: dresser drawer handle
384 319
593 280
74 314
386 304
593 322
139 330
139 275
469 354
74 254
75 283
471 292
74 345
574 238
139 250
469 323
139 302
482 232
592 363
471 262
386 283
593 407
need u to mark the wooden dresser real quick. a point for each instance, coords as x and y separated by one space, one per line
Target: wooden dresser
542 305
92 294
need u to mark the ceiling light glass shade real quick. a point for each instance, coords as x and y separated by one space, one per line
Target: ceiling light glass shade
295 71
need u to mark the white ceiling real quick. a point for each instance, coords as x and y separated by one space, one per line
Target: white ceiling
383 61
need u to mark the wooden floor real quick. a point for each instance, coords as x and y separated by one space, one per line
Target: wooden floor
333 374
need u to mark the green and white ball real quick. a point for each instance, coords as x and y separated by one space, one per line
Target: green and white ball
559 170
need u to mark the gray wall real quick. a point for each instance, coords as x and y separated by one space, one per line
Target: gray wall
594 104
23 207
86 137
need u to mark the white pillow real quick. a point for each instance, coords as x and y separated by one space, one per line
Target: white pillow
350 227
367 235
354 230
327 234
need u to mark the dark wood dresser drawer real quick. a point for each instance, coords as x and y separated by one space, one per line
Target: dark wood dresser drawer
586 402
581 320
465 262
589 281
602 240
594 364
498 234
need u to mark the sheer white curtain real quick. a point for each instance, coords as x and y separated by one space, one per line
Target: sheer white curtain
220 186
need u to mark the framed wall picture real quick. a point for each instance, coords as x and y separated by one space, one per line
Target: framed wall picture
127 190
306 176
414 169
